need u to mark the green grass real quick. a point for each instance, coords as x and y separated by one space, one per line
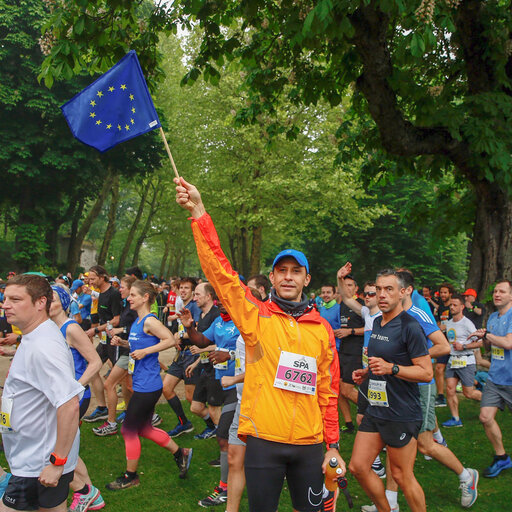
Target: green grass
161 489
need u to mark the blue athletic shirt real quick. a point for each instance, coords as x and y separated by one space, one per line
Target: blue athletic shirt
420 302
332 315
86 301
428 325
500 372
78 359
398 342
146 374
224 335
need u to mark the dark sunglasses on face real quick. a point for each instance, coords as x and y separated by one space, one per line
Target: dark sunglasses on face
369 294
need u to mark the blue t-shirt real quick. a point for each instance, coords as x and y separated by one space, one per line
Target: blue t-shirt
85 300
500 371
398 342
224 335
79 360
146 374
420 302
73 308
428 325
332 315
195 310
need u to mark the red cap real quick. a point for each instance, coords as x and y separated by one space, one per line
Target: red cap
470 291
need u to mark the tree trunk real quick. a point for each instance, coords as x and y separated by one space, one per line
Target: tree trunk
133 229
75 249
491 254
167 250
145 229
257 233
111 226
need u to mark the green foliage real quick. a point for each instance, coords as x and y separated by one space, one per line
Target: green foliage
31 241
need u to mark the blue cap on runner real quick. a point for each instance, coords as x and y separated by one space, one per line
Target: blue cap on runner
292 253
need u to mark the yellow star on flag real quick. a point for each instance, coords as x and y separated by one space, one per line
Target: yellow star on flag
127 127
133 110
110 89
109 126
93 103
132 121
98 122
92 114
99 94
131 97
119 127
123 86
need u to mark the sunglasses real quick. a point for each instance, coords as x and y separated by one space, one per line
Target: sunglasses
369 294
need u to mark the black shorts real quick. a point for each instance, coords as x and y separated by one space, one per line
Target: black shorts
95 318
208 390
267 463
393 433
443 359
84 404
362 400
86 324
348 364
109 352
26 493
140 410
178 367
227 413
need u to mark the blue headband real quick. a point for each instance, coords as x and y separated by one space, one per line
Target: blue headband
64 296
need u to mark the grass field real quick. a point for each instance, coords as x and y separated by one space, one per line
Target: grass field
162 490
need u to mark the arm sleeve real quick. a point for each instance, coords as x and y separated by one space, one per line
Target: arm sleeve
328 387
241 305
416 340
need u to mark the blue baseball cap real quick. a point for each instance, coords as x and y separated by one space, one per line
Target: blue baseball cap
76 284
292 253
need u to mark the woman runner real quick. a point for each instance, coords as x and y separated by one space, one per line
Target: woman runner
148 336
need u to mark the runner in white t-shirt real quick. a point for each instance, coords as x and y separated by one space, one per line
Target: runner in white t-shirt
462 364
39 403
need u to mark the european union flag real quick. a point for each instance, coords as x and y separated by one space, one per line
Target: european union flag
114 108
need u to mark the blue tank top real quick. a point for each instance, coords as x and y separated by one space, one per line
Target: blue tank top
78 359
146 373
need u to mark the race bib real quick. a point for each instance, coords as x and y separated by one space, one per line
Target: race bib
498 353
296 373
131 365
203 357
365 357
377 394
221 366
5 416
181 330
458 361
238 363
103 338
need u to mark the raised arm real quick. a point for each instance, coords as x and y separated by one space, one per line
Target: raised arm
345 295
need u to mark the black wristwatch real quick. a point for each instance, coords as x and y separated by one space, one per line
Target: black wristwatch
18 339
334 445
353 331
395 369
96 330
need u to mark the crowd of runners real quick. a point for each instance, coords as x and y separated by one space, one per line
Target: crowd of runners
268 369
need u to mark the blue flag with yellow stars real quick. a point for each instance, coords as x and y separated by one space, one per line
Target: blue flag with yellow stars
114 108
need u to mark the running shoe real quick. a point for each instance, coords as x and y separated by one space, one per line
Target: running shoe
329 502
105 430
497 467
100 413
379 469
453 423
440 401
427 457
121 406
97 504
215 463
373 508
121 417
181 429
81 502
442 443
123 482
184 462
217 497
156 420
469 489
3 484
458 388
206 433
347 430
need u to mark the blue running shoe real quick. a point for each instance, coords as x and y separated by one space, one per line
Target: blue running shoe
100 413
497 467
3 484
121 417
452 423
469 489
206 433
181 429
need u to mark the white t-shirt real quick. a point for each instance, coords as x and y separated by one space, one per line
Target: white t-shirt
40 380
368 326
239 364
459 332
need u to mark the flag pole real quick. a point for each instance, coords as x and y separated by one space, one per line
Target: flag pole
169 153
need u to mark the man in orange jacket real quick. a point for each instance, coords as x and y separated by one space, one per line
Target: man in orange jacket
289 402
